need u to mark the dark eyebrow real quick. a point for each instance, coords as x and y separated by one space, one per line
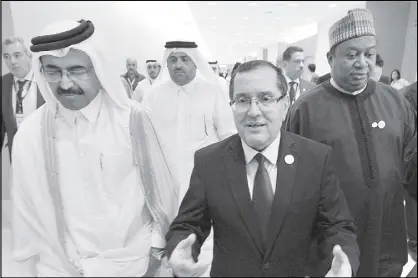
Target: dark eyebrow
69 68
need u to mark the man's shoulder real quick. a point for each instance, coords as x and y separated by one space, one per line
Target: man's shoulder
315 94
308 146
307 83
30 129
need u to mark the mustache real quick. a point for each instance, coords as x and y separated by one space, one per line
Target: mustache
70 91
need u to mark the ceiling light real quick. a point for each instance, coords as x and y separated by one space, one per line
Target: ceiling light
245 17
278 18
252 4
238 33
332 5
213 26
213 17
293 4
249 42
212 3
260 34
308 19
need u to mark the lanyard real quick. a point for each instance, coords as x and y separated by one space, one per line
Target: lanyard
16 86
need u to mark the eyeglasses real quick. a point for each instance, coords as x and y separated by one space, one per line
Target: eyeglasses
263 102
74 74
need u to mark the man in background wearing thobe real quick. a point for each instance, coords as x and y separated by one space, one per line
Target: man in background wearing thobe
224 85
92 195
368 124
188 112
145 86
293 60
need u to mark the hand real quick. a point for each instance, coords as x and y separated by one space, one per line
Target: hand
182 262
340 266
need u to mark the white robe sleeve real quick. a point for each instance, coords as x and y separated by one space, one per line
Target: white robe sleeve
24 239
158 241
138 94
223 118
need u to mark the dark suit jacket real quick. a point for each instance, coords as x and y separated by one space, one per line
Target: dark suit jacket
308 204
8 120
305 86
323 78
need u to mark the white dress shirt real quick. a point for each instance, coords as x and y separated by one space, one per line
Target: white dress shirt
270 153
29 94
296 86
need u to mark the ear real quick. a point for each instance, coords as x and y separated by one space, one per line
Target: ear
330 58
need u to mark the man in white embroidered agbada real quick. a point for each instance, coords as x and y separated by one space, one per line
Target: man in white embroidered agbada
92 195
188 112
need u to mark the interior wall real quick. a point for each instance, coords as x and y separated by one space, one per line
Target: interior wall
409 61
138 29
7 29
391 24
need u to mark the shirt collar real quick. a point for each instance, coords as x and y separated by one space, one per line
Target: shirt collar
90 112
30 77
271 152
288 80
345 91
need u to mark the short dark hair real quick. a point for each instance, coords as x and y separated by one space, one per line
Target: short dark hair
399 75
379 61
235 67
253 65
312 67
287 54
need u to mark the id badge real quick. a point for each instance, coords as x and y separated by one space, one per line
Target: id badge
19 119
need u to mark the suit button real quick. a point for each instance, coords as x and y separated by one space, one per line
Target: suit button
266 266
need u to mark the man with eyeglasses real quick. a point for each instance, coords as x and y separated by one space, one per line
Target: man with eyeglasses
92 194
145 86
368 125
266 193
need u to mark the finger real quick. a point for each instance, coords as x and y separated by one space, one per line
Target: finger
186 243
198 268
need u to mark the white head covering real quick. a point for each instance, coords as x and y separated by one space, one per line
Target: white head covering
203 68
93 47
151 62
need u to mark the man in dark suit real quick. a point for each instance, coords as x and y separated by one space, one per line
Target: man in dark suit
292 64
268 194
20 94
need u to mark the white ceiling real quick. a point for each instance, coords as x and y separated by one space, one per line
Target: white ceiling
234 29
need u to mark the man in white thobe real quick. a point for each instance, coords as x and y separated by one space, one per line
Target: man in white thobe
145 86
92 195
188 112
224 84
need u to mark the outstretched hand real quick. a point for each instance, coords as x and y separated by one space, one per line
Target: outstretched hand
182 262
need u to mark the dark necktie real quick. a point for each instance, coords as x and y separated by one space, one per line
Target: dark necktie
292 92
262 196
19 98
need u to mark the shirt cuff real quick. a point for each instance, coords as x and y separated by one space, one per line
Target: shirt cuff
158 241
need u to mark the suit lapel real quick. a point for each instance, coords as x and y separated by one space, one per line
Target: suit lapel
234 160
7 91
284 187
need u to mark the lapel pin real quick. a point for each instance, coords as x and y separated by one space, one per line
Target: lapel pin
289 159
381 124
374 125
